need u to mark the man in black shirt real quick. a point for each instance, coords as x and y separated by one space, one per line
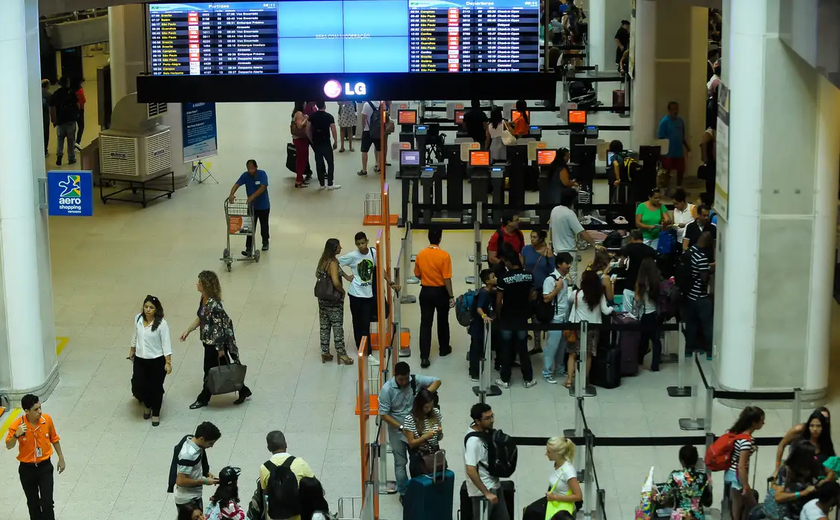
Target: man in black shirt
632 255
622 40
64 112
513 308
321 125
475 122
700 225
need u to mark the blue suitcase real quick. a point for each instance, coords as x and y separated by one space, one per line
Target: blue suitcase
429 497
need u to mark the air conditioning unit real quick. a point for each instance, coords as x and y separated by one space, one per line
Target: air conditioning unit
136 146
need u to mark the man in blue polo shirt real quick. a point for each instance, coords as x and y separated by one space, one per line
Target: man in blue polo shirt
672 128
256 186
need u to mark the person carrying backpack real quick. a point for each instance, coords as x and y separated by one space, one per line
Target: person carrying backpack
555 289
371 135
482 314
481 483
64 112
279 479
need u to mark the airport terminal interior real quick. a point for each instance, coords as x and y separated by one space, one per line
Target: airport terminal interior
105 265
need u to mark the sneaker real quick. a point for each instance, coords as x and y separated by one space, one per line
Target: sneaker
322 187
373 360
550 380
502 384
265 247
474 380
361 173
246 253
78 147
529 384
334 187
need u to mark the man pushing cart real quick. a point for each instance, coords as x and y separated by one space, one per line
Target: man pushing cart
242 217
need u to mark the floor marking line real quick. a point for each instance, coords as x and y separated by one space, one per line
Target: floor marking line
13 414
61 342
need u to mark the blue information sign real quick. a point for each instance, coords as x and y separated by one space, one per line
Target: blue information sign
70 193
198 121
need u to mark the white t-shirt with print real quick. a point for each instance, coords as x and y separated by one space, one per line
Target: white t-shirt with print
811 511
561 477
475 454
363 268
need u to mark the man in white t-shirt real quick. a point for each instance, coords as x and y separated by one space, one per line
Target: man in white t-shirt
556 289
683 213
827 497
564 228
367 138
482 487
362 263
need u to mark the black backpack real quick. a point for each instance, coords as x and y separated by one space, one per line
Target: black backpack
281 493
67 107
544 311
375 122
502 453
320 133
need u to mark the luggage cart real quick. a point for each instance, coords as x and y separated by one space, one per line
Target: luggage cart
241 221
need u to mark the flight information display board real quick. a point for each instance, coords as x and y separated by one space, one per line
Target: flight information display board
344 36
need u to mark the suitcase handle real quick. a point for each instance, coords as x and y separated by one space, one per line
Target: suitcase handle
435 480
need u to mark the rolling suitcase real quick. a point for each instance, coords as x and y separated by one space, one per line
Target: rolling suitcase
466 511
628 345
429 497
606 368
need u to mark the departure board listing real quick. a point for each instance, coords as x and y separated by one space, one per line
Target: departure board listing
344 36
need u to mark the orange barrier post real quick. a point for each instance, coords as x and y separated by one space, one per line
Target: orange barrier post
364 411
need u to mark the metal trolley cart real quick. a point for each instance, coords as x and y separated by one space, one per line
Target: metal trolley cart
240 220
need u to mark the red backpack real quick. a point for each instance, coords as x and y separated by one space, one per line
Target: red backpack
719 454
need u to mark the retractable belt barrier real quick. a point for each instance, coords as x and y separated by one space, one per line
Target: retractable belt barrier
453 127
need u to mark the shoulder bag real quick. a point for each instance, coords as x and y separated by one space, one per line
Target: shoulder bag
227 378
508 138
325 288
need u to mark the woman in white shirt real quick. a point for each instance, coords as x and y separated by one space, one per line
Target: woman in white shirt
588 304
495 128
563 486
151 353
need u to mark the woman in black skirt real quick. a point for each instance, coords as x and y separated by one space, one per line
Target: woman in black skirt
151 353
216 334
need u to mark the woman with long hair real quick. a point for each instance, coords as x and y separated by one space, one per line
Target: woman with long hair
331 312
645 303
561 179
818 434
794 483
151 354
522 121
495 128
801 430
687 490
226 497
601 266
216 334
301 142
588 304
740 495
652 217
190 511
423 428
313 505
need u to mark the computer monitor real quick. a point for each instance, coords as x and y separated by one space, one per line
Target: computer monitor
407 117
576 117
479 158
546 157
459 117
420 130
409 157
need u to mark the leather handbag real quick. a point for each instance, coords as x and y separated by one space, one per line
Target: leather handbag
431 463
227 378
325 289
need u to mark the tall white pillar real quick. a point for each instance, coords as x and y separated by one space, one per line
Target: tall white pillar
614 12
776 247
27 331
643 91
597 20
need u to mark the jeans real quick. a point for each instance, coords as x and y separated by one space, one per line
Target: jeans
649 320
628 301
434 300
497 511
553 352
37 483
324 154
46 132
698 316
399 447
515 342
261 216
212 359
361 310
66 132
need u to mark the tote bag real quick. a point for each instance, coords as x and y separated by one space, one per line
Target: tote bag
226 379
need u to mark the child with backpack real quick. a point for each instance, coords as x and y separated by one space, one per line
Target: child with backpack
224 504
483 305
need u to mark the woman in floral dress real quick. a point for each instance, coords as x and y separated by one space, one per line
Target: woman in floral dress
346 121
688 490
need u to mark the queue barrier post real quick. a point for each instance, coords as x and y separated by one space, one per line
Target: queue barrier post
408 256
681 390
599 513
475 278
582 386
588 472
694 422
485 389
797 406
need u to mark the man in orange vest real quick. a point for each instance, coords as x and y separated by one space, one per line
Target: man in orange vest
35 435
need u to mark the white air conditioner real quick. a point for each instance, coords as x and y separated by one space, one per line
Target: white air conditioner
136 146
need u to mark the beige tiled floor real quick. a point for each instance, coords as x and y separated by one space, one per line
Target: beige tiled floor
104 266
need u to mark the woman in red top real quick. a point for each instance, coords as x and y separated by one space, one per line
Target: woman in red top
80 124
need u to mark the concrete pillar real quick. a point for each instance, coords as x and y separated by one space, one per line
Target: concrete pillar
27 330
643 62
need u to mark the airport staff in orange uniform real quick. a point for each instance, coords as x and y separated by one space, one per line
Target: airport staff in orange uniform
35 435
433 266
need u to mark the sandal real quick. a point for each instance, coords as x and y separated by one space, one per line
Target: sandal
567 383
301 185
155 421
341 150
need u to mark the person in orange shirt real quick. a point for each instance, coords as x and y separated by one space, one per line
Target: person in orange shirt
521 120
433 266
35 435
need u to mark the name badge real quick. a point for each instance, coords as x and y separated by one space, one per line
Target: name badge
257 183
38 452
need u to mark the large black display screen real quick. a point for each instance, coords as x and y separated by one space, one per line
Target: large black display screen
344 36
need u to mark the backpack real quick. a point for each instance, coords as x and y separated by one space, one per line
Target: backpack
375 122
320 134
545 311
719 454
67 108
667 244
668 305
502 453
465 307
281 493
613 240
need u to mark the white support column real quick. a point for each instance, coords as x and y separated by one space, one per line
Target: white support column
643 45
597 20
128 51
27 335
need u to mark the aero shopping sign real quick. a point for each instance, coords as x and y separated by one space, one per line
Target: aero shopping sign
333 89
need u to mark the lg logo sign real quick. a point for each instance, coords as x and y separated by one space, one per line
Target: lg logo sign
333 89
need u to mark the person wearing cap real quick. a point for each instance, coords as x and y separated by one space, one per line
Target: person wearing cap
35 435
225 500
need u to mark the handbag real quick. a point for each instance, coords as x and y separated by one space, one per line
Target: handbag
325 289
227 378
508 138
431 463
572 335
554 507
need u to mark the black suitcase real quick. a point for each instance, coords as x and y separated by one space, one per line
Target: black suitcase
466 510
606 368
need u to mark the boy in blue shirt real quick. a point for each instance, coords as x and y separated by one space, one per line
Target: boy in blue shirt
483 311
256 186
672 128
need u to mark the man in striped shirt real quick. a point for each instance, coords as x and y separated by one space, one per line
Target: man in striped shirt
699 310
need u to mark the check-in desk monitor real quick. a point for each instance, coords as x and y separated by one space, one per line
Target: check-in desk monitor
592 132
459 117
576 117
535 132
479 158
546 157
409 158
407 117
